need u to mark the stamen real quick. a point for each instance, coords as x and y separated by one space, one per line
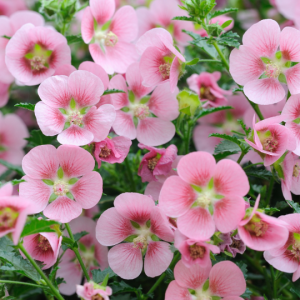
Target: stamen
141 111
258 228
97 297
203 200
140 242
104 152
296 171
197 251
43 243
152 162
270 144
75 118
235 243
111 39
8 217
164 70
272 70
37 63
296 250
205 93
60 188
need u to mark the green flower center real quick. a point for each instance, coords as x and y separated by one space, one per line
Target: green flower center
8 217
38 57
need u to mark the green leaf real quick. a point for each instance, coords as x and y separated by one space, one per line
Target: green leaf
222 12
227 23
12 167
112 91
122 287
98 275
247 294
79 235
271 210
228 253
246 130
130 238
70 195
169 276
260 172
154 238
6 37
188 102
35 226
229 38
17 181
74 39
53 197
202 43
192 62
13 261
294 205
48 181
63 111
183 18
206 111
239 89
37 138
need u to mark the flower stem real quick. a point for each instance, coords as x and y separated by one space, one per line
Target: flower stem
24 283
256 108
241 157
270 190
34 264
188 137
85 272
130 175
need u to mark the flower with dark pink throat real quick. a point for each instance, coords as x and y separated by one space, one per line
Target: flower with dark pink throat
68 109
140 225
135 111
261 232
110 37
94 256
205 195
206 86
112 150
93 291
261 67
160 60
13 212
156 162
224 281
60 182
34 52
232 243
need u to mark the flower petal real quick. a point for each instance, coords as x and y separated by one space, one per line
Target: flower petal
75 135
289 44
176 292
87 25
293 79
119 100
102 10
124 125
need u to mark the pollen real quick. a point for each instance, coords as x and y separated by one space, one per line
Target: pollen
152 162
104 152
37 63
111 39
75 118
141 111
203 200
257 228
272 70
296 171
164 70
43 243
60 188
8 218
197 251
270 144
140 242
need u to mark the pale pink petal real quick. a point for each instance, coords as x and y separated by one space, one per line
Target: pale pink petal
87 191
50 120
264 91
75 161
87 25
158 258
125 260
5 29
163 103
292 108
289 44
284 262
101 255
112 228
63 210
85 87
102 10
65 70
230 179
226 279
245 65
174 73
54 92
155 131
125 24
193 277
197 168
296 275
176 197
100 58
41 162
176 292
293 79
263 37
124 125
75 135
19 18
293 222
197 224
6 190
4 93
119 100
134 206
61 55
153 189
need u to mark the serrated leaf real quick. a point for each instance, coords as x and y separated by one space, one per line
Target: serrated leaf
184 18
247 294
74 39
259 173
112 91
246 130
37 138
206 111
229 38
239 89
222 12
79 235
122 287
169 276
12 167
28 106
202 43
98 275
226 148
294 205
17 181
35 226
271 210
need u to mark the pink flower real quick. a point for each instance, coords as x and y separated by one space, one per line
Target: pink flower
232 244
289 9
136 220
271 139
132 107
92 253
110 38
261 232
13 212
68 109
160 14
112 150
8 7
285 258
12 139
160 60
156 162
62 177
194 251
205 85
205 195
43 247
220 20
34 52
226 280
4 93
261 68
93 291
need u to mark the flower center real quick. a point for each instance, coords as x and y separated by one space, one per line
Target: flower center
270 144
109 39
140 242
60 188
204 200
296 250
296 170
197 251
203 295
38 57
38 63
258 228
8 217
104 152
75 118
97 297
272 70
164 70
152 162
141 111
235 243
43 244
205 93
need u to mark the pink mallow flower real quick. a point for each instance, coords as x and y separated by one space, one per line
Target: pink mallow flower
160 60
12 139
43 247
13 212
156 162
34 52
93 291
224 281
94 256
134 110
110 38
260 67
8 7
68 109
285 258
136 220
205 195
61 181
289 9
261 232
271 139
112 150
206 86
194 251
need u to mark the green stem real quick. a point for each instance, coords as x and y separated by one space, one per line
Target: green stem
270 190
224 60
130 175
254 264
24 283
34 264
188 137
241 157
256 108
163 275
247 167
85 272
